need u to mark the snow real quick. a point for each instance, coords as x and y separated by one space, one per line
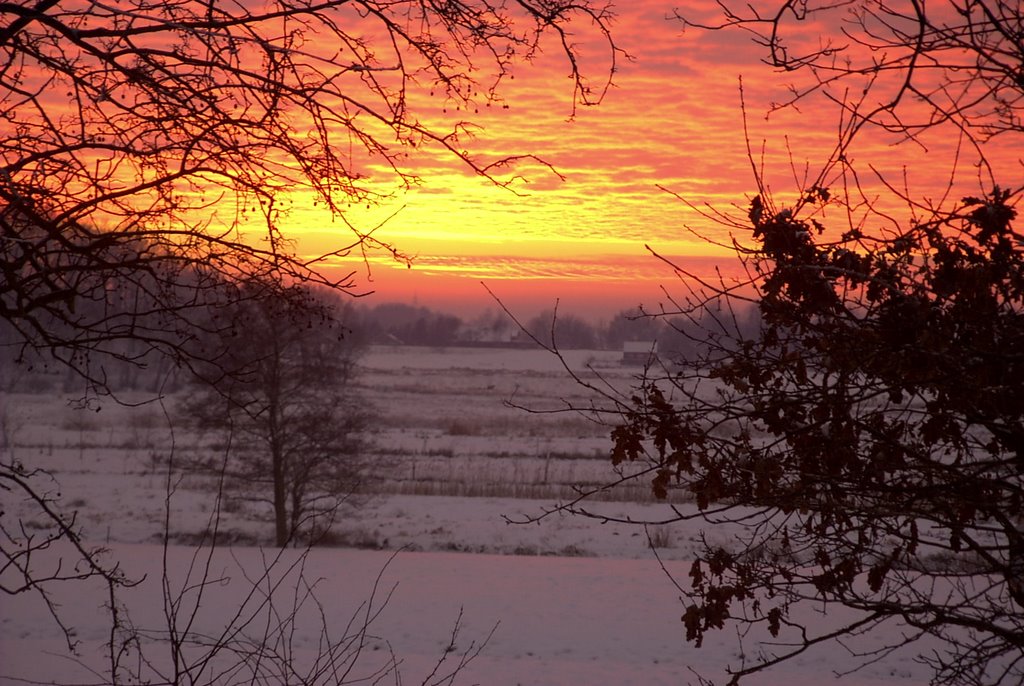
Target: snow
558 620
570 600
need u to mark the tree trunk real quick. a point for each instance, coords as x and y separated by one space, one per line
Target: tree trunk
272 370
280 498
296 497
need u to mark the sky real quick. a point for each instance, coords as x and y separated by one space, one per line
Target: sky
671 127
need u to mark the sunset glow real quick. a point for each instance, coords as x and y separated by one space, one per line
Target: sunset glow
672 121
594 191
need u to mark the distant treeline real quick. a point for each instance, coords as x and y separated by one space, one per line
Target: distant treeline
141 364
403 324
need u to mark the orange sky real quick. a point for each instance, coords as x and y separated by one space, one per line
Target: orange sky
672 119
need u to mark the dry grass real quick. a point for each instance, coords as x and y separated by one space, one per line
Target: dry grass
520 491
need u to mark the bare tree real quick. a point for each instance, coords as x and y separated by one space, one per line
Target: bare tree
868 436
904 68
282 396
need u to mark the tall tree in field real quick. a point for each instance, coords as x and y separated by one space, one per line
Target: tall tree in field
283 398
869 437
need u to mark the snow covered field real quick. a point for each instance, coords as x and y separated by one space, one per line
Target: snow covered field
571 601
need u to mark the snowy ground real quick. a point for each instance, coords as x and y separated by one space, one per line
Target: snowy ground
573 601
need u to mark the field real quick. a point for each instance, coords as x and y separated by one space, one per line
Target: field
573 600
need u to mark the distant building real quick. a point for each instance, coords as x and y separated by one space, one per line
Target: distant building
639 353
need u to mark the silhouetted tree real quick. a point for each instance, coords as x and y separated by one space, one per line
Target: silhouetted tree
494 326
871 440
282 397
868 435
562 331
411 325
632 324
705 333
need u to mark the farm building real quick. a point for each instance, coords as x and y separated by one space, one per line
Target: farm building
639 353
